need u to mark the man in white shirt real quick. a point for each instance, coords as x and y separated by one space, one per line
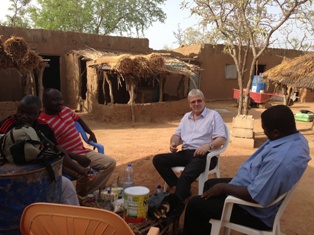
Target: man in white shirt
199 132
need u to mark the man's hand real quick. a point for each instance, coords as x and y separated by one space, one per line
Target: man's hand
83 171
173 147
201 150
92 137
214 191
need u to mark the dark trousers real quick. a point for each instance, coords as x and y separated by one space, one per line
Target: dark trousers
194 166
199 211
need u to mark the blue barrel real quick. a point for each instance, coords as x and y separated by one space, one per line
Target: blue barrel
22 185
258 84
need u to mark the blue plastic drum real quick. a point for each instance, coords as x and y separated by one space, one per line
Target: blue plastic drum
22 185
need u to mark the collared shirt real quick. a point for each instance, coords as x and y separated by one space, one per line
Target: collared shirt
195 133
63 125
271 171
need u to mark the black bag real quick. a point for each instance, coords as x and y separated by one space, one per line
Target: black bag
154 203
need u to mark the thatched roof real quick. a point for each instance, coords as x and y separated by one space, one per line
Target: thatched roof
297 72
139 65
15 53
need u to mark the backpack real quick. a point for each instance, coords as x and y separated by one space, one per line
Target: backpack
24 145
21 145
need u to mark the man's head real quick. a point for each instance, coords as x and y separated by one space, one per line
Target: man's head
278 121
28 109
196 101
53 101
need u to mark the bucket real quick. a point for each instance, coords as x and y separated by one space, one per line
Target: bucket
22 185
136 204
258 84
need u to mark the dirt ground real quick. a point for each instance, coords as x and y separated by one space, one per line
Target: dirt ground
139 142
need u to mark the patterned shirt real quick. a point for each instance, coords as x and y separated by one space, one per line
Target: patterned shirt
63 125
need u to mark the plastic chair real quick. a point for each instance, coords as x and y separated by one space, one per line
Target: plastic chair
226 214
204 176
51 218
100 148
79 128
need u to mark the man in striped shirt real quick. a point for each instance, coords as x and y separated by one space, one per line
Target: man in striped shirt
27 113
61 120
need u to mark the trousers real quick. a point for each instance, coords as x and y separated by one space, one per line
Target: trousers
194 166
199 211
105 166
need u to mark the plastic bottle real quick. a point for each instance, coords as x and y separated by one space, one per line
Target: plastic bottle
128 177
158 190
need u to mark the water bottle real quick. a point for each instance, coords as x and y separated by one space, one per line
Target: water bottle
128 177
158 190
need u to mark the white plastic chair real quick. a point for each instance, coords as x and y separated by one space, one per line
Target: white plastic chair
226 214
204 176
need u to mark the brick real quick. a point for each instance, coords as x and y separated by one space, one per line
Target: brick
241 132
243 121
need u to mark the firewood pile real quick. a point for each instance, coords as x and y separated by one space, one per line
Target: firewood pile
15 53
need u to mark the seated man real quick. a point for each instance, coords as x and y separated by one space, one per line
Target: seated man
61 120
27 113
199 132
271 171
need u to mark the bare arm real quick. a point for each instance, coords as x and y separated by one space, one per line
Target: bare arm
229 189
68 162
86 128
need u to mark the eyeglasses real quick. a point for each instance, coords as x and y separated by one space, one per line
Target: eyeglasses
196 101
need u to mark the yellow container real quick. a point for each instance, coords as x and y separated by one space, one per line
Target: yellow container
136 204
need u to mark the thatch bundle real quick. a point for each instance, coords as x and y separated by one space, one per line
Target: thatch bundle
15 53
156 61
141 66
32 62
124 64
5 60
300 66
16 48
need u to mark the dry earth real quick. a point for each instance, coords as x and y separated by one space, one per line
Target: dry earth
139 142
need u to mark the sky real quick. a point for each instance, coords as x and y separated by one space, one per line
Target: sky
160 35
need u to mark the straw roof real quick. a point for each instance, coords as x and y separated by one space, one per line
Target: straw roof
297 72
15 53
139 65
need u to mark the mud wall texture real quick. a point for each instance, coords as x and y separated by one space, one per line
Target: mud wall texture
213 61
7 109
149 112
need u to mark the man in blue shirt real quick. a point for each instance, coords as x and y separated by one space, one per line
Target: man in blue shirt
199 132
271 171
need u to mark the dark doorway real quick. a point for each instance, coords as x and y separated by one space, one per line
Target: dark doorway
51 77
260 69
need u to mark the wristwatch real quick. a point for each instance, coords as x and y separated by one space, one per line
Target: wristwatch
211 146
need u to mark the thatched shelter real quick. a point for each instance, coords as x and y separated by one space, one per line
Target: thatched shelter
16 54
293 74
151 69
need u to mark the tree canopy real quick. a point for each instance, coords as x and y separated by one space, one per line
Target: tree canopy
104 17
246 28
